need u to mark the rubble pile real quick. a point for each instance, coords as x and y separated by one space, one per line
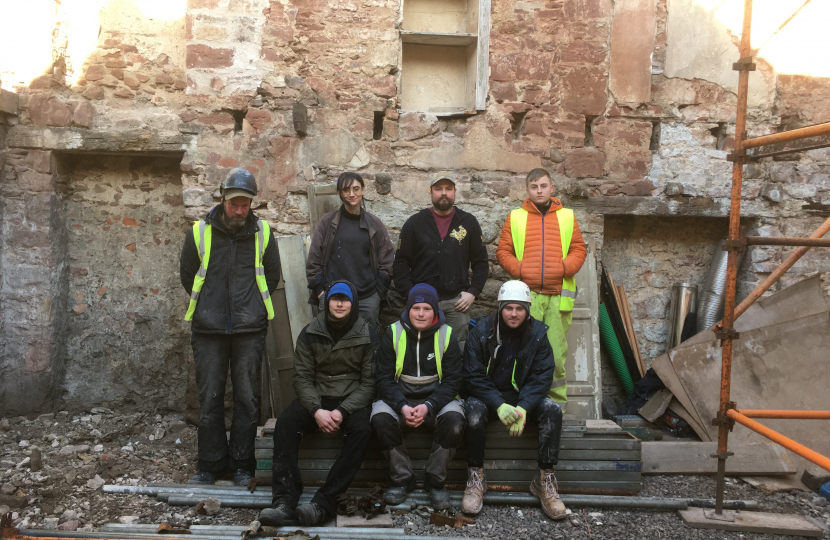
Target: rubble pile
52 469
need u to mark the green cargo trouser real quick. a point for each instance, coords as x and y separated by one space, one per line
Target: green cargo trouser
545 308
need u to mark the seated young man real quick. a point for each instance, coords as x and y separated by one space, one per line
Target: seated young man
418 372
508 369
335 388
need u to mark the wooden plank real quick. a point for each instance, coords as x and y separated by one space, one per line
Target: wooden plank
607 442
696 458
657 405
322 199
483 55
665 370
378 521
490 465
292 261
490 453
756 522
629 329
612 303
436 38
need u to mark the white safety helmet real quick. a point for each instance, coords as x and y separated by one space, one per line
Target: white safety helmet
514 291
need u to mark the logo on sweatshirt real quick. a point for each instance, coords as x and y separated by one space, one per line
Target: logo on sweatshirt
430 356
459 234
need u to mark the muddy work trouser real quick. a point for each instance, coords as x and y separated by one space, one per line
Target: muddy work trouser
547 415
448 430
545 308
213 354
292 425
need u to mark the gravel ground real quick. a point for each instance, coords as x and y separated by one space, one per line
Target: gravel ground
80 453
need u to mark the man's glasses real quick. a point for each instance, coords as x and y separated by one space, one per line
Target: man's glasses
353 189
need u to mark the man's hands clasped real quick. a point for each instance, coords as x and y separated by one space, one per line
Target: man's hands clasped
513 418
328 421
414 416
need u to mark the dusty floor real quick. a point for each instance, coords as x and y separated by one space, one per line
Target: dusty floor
81 453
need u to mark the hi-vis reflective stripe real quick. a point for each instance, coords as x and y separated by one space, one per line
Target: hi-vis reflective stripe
518 230
202 234
442 341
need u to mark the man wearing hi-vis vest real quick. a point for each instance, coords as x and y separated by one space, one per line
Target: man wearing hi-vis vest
418 374
541 245
230 264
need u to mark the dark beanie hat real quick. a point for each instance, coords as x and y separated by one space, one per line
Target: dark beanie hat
423 293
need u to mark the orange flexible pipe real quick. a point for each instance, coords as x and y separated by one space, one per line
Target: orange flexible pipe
777 438
795 415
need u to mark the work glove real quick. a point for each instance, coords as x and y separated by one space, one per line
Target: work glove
518 427
507 414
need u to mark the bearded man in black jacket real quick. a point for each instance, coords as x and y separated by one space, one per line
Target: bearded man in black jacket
438 246
230 264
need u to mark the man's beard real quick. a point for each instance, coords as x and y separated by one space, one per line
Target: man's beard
233 224
443 204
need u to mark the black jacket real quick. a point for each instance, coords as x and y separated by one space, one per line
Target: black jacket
230 302
534 363
422 257
437 394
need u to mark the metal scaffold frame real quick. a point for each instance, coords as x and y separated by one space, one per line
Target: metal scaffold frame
746 150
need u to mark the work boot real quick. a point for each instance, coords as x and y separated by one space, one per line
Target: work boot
397 494
241 477
280 515
203 478
311 514
473 499
544 486
439 498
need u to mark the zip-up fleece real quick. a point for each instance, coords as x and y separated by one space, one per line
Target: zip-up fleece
230 302
534 363
542 267
419 361
423 257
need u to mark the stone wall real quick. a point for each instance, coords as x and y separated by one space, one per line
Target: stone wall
635 127
126 332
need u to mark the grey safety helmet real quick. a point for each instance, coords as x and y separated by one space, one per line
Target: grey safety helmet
239 183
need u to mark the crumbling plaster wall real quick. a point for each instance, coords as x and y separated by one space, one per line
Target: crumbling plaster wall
219 85
126 333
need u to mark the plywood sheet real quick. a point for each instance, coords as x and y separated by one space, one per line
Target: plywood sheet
773 367
292 261
758 522
696 458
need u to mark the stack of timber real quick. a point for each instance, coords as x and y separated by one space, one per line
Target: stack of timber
616 303
597 458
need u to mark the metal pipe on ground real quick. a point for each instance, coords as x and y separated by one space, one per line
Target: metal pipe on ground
340 534
516 500
234 529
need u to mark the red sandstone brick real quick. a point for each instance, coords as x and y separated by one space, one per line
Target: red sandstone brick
124 92
95 72
585 162
202 56
583 90
83 114
47 110
227 162
130 222
130 247
258 118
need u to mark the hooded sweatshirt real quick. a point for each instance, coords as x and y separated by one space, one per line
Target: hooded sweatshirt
419 378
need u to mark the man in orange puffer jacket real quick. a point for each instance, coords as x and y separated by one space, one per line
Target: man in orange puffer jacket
541 245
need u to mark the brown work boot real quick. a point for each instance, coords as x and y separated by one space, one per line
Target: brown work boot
473 498
544 486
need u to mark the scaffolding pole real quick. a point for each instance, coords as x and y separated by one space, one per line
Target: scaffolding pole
728 413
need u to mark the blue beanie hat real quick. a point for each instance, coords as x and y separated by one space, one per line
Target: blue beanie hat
340 288
423 293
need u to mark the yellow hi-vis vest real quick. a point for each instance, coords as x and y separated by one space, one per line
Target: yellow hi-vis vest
442 341
518 229
202 234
